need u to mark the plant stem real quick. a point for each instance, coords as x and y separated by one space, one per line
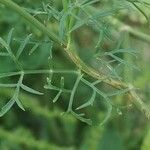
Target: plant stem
75 58
10 4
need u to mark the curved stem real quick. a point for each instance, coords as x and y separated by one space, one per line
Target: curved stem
74 57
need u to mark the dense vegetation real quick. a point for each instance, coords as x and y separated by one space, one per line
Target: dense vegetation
90 58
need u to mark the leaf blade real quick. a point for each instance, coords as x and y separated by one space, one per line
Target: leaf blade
22 46
30 90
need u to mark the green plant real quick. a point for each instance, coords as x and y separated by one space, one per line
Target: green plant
73 16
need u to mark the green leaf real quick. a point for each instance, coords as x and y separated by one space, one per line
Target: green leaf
78 116
78 25
95 17
123 61
7 107
76 84
119 92
100 39
105 13
19 103
9 74
34 48
62 82
30 90
142 12
89 102
22 46
5 45
62 25
125 50
49 80
57 96
9 38
89 2
8 85
109 110
50 51
110 68
52 87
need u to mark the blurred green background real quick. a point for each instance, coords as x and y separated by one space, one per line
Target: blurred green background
41 126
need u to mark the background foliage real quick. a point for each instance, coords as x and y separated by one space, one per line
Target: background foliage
42 126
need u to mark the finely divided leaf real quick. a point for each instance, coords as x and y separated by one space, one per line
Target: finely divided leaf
7 107
119 92
8 85
89 2
30 90
34 48
89 102
109 110
9 74
62 25
123 61
79 116
19 103
5 45
9 38
62 82
22 46
124 50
